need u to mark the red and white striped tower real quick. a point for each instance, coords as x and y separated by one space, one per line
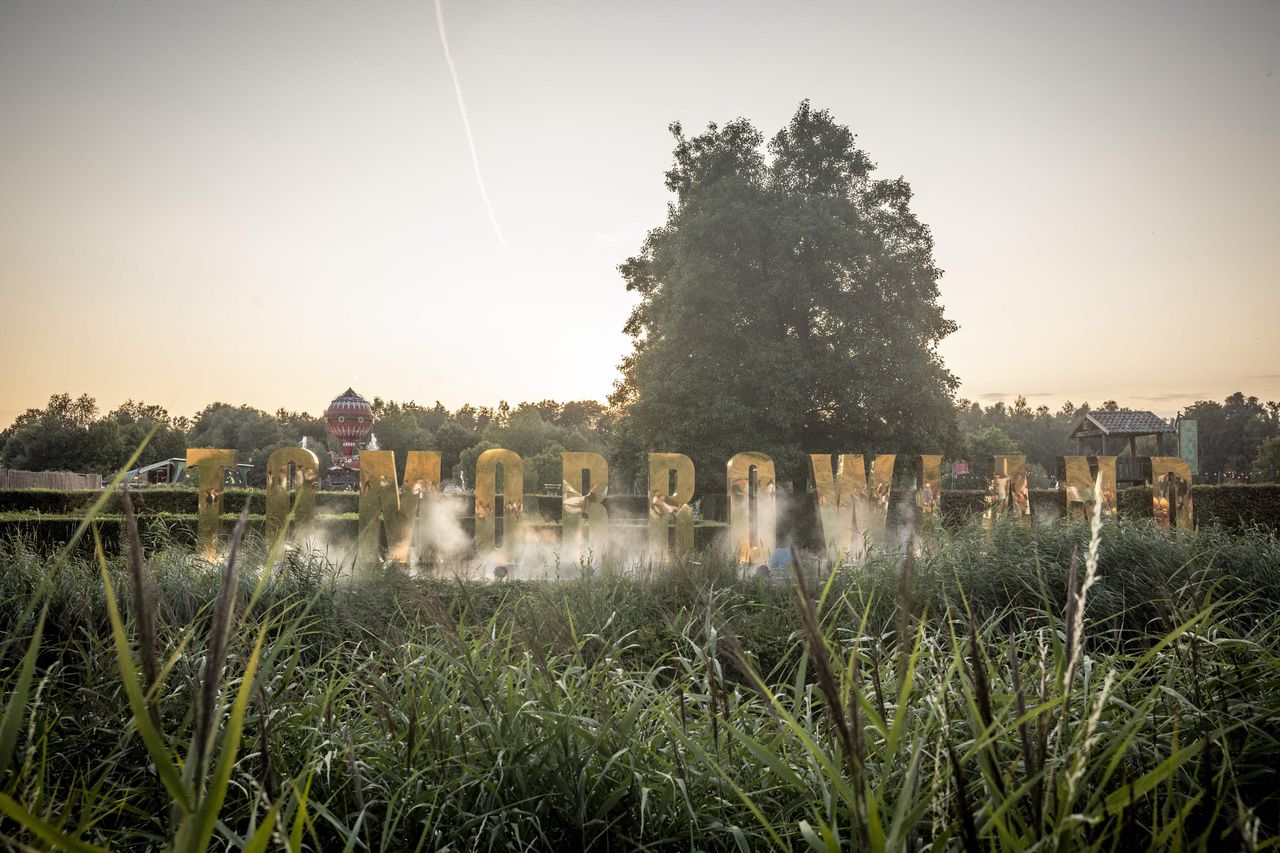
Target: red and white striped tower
349 419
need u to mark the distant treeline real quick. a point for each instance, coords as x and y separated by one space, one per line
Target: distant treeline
1239 437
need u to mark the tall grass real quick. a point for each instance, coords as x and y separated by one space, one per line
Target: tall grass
991 693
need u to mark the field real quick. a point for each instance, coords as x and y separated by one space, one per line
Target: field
1006 690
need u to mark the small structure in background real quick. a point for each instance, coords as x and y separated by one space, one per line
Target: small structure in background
173 472
349 419
13 479
1189 441
1107 433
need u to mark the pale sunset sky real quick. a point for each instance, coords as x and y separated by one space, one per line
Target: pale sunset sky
266 202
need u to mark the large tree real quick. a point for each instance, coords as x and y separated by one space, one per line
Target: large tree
55 438
788 305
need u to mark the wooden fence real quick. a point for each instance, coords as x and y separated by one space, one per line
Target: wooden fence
11 479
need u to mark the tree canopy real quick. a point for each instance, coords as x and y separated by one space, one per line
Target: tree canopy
1232 433
1239 437
69 435
789 304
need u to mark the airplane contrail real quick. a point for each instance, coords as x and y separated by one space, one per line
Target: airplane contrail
466 124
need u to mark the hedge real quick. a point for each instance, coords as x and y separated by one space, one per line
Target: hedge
1229 506
46 532
51 515
175 501
1235 506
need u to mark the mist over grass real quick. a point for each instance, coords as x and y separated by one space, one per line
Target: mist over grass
946 700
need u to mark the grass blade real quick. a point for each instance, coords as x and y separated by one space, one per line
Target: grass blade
44 831
147 730
16 708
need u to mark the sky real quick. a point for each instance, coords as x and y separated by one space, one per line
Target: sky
265 203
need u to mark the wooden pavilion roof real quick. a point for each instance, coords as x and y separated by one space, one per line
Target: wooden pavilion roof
1127 424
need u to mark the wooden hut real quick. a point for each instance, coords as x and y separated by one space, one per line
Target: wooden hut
1107 433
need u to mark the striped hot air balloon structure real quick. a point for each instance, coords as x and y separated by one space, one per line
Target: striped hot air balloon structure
349 419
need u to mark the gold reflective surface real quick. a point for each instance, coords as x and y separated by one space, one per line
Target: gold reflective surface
584 522
1007 493
211 467
929 485
853 515
1078 483
753 502
403 519
486 503
927 520
379 506
305 478
835 492
669 506
872 505
420 486
1171 491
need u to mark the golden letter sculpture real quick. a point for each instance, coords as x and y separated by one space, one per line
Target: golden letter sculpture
211 467
1171 491
669 505
834 493
384 511
584 502
421 487
306 479
929 485
379 507
853 516
753 512
928 515
512 504
1007 493
1079 482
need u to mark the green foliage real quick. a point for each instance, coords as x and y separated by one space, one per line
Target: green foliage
524 431
987 442
539 432
1266 466
544 469
1232 433
1039 434
657 710
466 467
68 435
1230 507
48 517
1235 506
404 427
788 305
451 440
49 501
53 438
254 434
149 501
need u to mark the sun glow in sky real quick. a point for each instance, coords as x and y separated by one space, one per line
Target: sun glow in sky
268 202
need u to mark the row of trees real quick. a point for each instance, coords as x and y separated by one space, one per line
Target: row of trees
70 434
1239 437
